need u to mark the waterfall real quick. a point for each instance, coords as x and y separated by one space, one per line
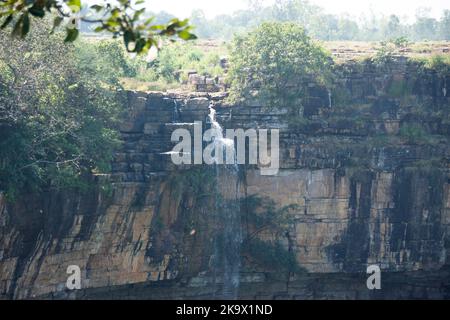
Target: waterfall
175 112
381 158
220 142
228 237
329 98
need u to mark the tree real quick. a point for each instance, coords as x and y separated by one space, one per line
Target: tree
58 113
425 26
444 25
274 63
348 29
325 27
393 27
255 5
299 11
122 18
201 23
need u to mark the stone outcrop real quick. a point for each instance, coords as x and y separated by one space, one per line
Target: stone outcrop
201 83
364 193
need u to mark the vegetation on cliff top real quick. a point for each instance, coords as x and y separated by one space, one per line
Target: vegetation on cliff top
171 67
274 64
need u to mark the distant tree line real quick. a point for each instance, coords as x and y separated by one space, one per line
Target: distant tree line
320 25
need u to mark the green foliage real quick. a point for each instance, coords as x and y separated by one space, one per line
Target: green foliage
122 18
389 49
398 88
157 224
414 134
274 64
341 95
272 255
322 25
198 181
440 63
106 189
170 67
58 116
426 166
401 42
300 123
379 141
262 215
106 59
425 25
174 61
444 25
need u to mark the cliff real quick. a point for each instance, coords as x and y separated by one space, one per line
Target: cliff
363 180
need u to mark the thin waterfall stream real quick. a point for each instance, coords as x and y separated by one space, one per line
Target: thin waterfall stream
175 112
329 99
229 236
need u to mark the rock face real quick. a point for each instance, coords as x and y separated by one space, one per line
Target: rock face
363 191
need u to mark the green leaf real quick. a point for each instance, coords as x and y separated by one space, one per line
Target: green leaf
37 11
149 20
49 5
97 7
138 13
75 5
6 22
72 35
25 25
183 22
128 36
56 23
186 35
140 44
115 12
157 27
112 23
17 28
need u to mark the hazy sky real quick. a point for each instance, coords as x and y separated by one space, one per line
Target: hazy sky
183 8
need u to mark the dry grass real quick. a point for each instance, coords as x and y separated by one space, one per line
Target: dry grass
139 85
355 50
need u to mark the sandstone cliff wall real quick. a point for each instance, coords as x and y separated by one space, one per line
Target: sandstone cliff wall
364 193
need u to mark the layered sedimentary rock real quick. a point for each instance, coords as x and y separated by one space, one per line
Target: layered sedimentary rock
364 192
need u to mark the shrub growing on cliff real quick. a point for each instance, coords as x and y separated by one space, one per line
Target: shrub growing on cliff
387 50
274 64
262 217
439 63
272 255
415 134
